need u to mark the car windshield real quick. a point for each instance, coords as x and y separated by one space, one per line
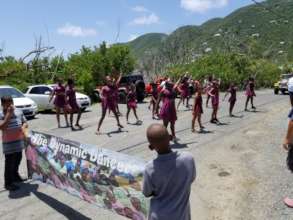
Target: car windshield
14 93
287 76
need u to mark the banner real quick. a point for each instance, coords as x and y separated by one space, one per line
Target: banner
99 176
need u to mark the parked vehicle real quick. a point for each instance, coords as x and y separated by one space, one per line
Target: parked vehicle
282 85
125 80
41 95
139 83
25 104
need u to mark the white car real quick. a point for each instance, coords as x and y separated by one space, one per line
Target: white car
26 105
41 95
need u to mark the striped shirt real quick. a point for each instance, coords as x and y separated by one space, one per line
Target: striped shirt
12 135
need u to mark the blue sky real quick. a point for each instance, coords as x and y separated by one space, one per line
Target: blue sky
69 24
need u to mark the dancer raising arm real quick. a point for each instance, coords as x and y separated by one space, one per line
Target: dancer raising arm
168 109
108 102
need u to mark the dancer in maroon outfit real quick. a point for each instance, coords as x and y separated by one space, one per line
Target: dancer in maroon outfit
214 94
168 110
71 100
131 103
232 100
184 92
197 108
154 99
108 102
250 93
59 101
208 87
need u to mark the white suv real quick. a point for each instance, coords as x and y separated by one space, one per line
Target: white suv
41 95
26 105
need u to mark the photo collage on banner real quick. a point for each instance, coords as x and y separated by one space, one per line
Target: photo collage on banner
99 176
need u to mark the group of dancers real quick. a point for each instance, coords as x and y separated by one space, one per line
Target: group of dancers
162 104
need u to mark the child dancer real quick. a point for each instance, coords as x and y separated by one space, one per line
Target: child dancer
214 94
131 103
71 99
197 108
168 110
108 102
184 92
250 93
116 94
154 99
232 100
208 87
59 101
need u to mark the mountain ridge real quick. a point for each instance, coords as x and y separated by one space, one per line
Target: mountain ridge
265 30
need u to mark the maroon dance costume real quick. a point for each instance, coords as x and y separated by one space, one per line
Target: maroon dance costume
60 98
184 90
250 89
215 97
155 95
208 87
71 94
232 90
168 109
198 109
116 94
109 98
131 100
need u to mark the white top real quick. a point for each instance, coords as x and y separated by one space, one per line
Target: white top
290 84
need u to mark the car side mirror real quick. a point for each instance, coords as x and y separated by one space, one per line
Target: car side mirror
47 93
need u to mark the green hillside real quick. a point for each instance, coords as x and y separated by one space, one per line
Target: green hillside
264 31
146 42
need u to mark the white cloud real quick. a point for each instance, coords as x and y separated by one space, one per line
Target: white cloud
146 20
132 37
140 8
76 31
202 6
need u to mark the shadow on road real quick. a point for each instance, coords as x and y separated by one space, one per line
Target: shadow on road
27 189
222 124
237 116
205 132
258 111
109 134
178 145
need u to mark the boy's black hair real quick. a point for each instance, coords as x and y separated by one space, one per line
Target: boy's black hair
5 99
70 81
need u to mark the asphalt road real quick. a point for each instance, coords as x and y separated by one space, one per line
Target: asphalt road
241 166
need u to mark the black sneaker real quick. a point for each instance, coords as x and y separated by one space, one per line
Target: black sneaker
11 187
19 179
